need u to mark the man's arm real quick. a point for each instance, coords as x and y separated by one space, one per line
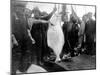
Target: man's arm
29 34
40 21
47 17
33 20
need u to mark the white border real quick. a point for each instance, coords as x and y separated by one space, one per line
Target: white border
5 37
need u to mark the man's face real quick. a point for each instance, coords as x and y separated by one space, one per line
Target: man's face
27 13
36 14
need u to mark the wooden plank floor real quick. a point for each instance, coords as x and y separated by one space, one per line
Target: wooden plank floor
82 62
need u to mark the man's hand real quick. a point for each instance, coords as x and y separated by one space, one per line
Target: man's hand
55 9
14 41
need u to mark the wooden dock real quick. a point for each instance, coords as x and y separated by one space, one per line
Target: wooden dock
82 62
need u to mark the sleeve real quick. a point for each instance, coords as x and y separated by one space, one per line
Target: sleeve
47 17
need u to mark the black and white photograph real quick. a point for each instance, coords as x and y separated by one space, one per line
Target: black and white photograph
51 37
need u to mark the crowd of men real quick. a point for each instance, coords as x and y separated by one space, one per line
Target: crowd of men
29 36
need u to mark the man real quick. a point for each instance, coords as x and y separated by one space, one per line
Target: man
39 33
19 29
90 33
